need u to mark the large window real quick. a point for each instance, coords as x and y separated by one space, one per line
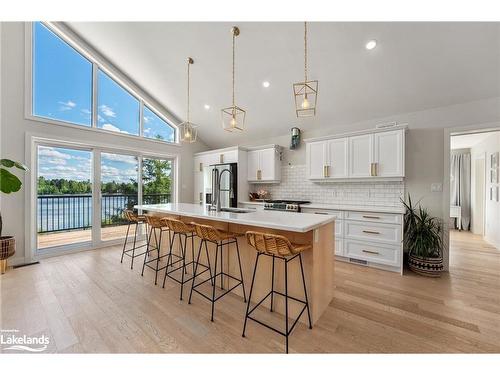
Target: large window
63 87
62 79
118 110
157 128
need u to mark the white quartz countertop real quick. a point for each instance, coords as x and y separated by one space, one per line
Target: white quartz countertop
289 221
343 207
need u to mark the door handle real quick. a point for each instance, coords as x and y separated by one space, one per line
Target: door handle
370 252
371 232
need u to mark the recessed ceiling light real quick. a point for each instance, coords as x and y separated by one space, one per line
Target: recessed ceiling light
371 44
266 84
207 106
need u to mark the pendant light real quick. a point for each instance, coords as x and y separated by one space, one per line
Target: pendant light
187 128
305 93
233 117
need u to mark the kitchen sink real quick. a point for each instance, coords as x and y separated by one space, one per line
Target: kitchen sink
236 210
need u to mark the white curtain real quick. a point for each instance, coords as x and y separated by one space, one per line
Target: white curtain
460 186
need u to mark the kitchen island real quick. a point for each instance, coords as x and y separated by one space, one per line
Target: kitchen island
315 230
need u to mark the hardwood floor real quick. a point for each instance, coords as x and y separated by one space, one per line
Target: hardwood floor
89 302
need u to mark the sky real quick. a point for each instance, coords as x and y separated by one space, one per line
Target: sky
62 88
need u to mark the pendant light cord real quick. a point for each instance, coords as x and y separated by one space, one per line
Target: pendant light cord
234 37
305 51
189 63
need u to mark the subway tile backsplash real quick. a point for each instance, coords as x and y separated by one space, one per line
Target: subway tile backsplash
295 185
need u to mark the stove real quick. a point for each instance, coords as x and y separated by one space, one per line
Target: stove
283 205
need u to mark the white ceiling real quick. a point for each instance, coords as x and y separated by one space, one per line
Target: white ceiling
415 66
469 140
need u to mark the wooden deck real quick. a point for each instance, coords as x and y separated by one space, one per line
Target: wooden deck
75 236
90 302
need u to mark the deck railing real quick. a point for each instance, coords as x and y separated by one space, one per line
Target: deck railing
74 211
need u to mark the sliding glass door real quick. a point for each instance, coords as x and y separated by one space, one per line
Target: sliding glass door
64 196
82 193
119 191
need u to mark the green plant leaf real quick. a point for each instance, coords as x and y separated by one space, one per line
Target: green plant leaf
10 163
9 183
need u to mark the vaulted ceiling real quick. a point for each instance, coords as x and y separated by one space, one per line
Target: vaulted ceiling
415 66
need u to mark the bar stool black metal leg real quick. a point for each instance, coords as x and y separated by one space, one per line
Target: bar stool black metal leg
133 248
241 272
125 244
192 250
170 243
215 279
221 266
272 286
250 295
286 304
183 264
196 270
147 250
305 290
208 261
158 244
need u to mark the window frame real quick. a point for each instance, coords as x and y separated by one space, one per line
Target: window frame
98 63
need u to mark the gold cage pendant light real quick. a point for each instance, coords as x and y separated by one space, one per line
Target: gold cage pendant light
305 93
188 130
233 117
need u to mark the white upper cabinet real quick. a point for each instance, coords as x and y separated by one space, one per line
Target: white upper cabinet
337 158
370 155
360 155
253 164
327 159
264 165
316 159
389 154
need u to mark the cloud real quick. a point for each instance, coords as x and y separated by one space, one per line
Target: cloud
113 128
119 157
107 111
148 119
66 106
51 152
109 173
61 171
147 130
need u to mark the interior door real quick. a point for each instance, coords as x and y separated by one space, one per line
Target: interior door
316 159
388 151
360 155
337 160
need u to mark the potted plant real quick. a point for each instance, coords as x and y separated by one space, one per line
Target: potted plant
9 183
422 238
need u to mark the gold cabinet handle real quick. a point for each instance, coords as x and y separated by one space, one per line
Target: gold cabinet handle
370 252
324 171
259 174
373 169
221 158
201 197
327 171
371 217
201 167
371 232
321 213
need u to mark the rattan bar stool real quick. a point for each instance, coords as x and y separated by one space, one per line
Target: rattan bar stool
183 231
277 247
208 233
155 224
133 219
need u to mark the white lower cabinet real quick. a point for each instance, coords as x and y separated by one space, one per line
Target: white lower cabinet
370 238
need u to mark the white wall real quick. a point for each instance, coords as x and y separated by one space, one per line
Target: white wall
491 207
14 127
427 146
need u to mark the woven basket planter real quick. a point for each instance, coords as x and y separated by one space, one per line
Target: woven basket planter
430 267
7 247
